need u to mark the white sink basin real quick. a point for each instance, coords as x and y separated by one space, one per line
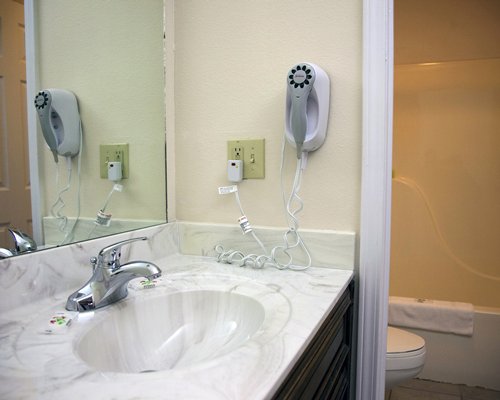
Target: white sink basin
172 331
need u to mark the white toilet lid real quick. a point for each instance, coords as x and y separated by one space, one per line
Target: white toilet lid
400 341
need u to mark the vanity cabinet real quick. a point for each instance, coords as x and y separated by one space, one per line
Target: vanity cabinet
325 368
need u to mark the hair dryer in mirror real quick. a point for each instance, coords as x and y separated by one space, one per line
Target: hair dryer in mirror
307 107
60 121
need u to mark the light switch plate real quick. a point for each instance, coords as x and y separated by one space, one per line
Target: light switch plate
252 152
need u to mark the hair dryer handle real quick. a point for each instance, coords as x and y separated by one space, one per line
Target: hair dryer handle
299 120
43 102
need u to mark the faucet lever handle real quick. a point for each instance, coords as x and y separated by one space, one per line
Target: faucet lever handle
109 257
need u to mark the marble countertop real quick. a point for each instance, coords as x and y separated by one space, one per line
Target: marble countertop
39 365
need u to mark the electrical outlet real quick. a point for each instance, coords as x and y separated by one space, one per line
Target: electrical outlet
113 152
252 152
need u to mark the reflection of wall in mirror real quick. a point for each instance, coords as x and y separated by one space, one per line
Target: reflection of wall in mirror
110 54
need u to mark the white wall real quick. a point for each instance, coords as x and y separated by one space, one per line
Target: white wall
110 54
231 60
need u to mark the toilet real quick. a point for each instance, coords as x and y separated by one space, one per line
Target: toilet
405 356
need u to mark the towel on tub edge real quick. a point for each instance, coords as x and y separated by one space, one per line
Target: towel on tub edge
433 315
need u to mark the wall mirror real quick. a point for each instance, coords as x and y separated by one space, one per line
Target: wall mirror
110 55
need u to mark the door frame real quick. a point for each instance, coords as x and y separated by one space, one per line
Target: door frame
376 180
33 143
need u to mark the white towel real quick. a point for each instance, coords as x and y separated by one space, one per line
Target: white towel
433 315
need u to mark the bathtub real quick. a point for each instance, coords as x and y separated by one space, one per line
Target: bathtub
470 360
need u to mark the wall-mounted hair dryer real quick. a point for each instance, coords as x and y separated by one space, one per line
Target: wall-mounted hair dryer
307 107
60 121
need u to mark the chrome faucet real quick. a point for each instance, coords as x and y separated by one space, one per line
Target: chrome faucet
109 281
23 243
